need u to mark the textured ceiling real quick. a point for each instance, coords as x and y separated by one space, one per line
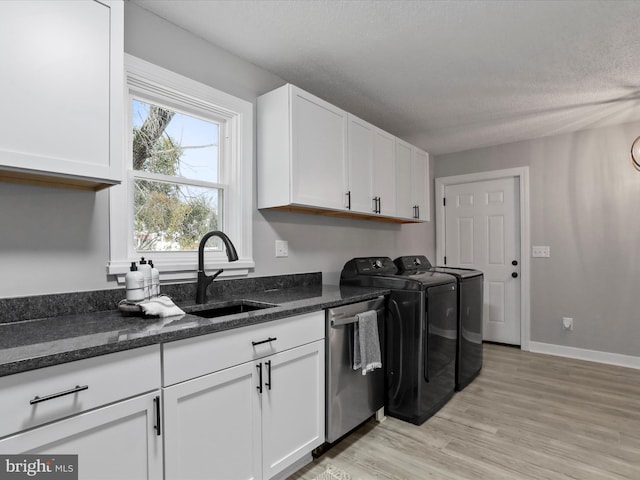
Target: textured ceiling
444 75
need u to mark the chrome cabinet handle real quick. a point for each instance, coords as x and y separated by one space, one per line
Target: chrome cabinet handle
71 391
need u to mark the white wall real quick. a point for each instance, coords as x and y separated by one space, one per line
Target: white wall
585 198
54 240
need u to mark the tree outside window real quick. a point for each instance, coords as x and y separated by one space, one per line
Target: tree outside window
176 195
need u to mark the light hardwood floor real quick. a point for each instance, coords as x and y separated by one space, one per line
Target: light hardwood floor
527 416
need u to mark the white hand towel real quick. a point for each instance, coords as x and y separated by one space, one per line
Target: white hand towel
366 342
161 306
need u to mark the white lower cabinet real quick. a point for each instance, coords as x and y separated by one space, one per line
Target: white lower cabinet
292 406
212 426
253 420
104 409
242 404
114 442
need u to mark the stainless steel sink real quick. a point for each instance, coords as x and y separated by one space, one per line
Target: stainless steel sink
228 308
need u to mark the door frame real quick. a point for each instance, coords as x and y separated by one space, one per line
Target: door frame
522 176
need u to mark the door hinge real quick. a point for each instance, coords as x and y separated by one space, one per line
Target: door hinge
444 201
445 260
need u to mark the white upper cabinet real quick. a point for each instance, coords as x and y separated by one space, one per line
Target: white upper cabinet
404 199
360 163
302 148
371 169
420 183
412 182
384 172
314 157
62 92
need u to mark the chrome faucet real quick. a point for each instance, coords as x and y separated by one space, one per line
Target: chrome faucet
205 280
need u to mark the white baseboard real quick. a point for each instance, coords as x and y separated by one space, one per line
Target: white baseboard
583 354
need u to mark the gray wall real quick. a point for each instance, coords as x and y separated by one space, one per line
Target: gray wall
54 240
585 197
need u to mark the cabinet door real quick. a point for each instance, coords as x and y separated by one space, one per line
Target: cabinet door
60 86
292 406
384 172
212 427
404 198
360 161
420 183
318 142
114 442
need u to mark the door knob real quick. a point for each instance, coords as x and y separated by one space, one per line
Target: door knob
514 275
514 263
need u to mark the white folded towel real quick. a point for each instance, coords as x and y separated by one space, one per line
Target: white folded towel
366 342
161 306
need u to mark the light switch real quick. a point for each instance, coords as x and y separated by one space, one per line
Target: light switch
282 248
541 251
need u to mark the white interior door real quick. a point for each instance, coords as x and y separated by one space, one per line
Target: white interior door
482 231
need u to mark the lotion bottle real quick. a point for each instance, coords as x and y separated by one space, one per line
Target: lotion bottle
134 283
146 273
155 280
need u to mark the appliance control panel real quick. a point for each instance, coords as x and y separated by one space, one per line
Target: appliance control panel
369 266
414 262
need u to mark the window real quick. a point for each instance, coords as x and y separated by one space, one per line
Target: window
189 161
175 165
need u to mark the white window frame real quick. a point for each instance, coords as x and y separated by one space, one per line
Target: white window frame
148 81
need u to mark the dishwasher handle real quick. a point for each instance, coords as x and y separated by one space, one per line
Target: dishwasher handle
335 322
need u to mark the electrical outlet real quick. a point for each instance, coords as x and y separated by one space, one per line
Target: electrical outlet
541 251
282 248
567 323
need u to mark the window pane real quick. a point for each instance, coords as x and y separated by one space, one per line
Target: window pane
173 217
172 143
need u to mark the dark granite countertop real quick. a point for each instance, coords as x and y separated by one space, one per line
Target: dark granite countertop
31 344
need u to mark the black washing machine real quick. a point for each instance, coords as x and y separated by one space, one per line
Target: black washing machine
421 335
470 307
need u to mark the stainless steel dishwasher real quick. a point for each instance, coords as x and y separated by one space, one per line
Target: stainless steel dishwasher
351 397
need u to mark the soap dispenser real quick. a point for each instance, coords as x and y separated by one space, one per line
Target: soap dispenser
134 283
146 273
155 280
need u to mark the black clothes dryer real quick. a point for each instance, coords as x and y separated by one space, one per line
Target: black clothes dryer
470 308
421 335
